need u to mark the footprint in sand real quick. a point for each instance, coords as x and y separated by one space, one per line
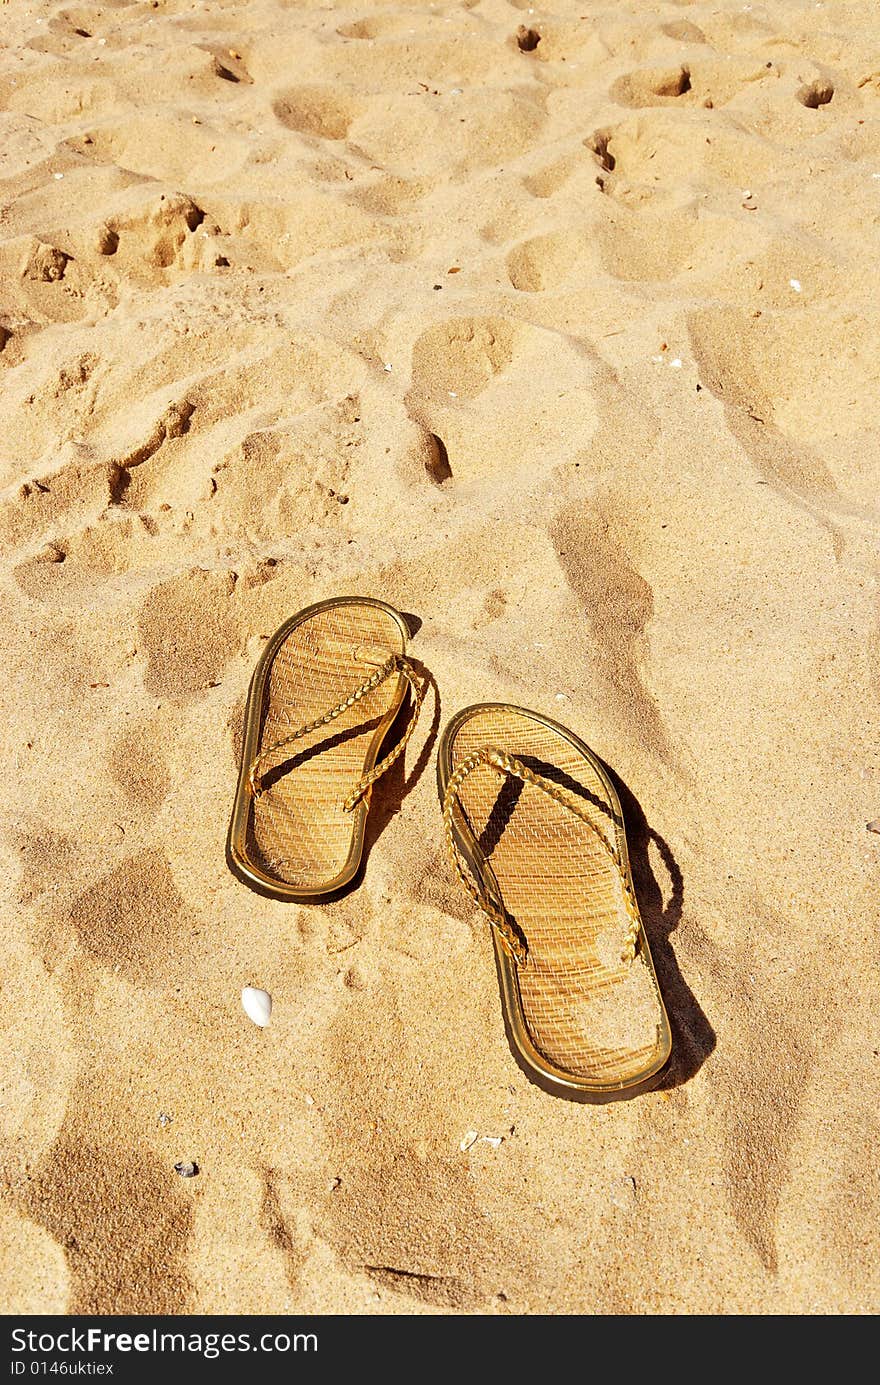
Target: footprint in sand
651 86
683 31
459 358
547 181
44 281
469 377
551 261
449 133
317 110
45 506
142 235
650 156
188 633
109 1204
392 1223
134 921
278 481
413 1225
648 245
391 25
146 236
618 606
774 378
696 81
137 765
66 31
391 196
44 856
72 514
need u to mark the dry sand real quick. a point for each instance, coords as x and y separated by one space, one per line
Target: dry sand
253 257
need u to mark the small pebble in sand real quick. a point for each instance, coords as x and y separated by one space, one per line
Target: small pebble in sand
494 1141
257 1005
795 284
165 1118
188 1170
873 826
676 363
469 1139
389 367
58 175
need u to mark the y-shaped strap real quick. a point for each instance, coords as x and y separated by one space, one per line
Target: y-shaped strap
511 939
396 664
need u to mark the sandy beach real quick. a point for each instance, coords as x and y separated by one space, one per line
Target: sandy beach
556 328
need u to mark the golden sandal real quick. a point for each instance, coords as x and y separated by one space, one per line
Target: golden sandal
324 696
535 834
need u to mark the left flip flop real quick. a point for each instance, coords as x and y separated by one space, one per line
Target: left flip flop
324 695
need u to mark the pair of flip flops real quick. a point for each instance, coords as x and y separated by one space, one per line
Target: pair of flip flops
533 828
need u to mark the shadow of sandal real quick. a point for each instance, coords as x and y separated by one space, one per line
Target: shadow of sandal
692 1034
390 791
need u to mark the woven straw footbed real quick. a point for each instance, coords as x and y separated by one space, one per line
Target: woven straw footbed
298 831
585 1011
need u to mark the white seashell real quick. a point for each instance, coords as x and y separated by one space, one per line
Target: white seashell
257 1005
470 1139
496 1141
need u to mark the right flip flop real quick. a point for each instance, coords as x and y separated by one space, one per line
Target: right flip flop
536 836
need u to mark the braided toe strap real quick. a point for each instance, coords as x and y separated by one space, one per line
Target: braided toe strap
396 664
511 939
